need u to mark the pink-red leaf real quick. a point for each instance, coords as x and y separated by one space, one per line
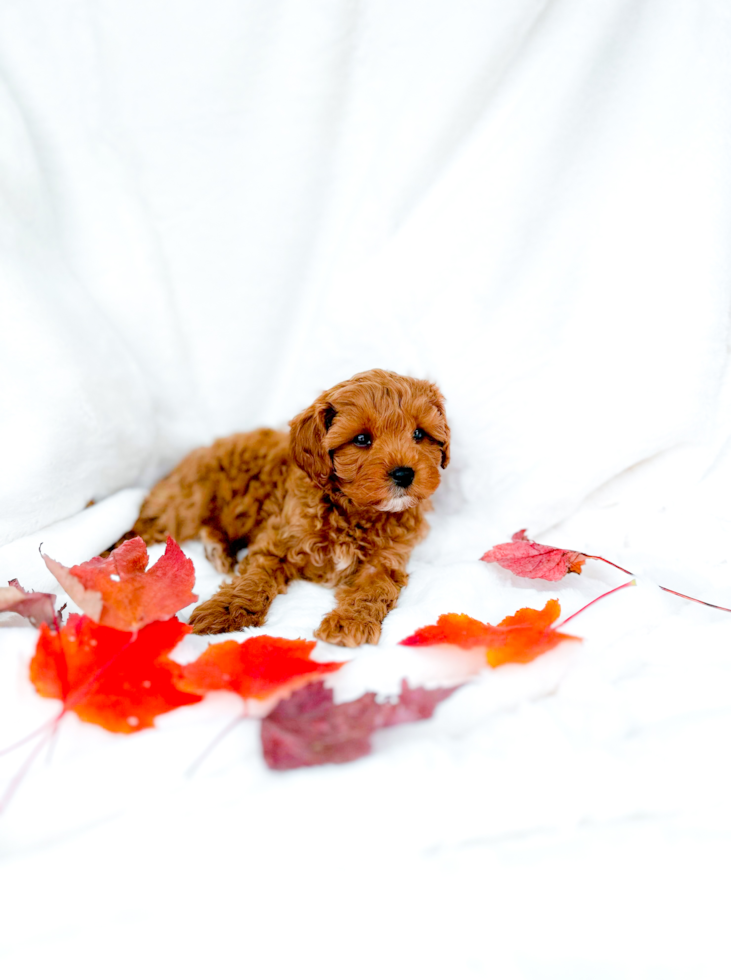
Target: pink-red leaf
308 729
119 592
37 607
531 560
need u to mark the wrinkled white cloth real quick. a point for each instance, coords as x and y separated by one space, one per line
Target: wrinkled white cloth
208 214
209 217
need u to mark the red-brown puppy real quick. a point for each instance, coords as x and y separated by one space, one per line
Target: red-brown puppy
339 501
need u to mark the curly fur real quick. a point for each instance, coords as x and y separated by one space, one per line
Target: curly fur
311 505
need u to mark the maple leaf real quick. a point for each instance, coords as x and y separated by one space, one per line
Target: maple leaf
118 591
253 668
37 607
531 560
113 678
519 638
308 729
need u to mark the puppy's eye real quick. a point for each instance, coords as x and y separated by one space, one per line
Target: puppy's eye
419 435
362 440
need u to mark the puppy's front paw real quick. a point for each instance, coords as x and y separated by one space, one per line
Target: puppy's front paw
348 629
219 616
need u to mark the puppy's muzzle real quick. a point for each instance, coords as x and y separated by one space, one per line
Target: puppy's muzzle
402 476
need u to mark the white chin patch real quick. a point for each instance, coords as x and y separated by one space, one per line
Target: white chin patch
396 504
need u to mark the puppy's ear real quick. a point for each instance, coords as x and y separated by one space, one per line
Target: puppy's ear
306 442
445 452
441 428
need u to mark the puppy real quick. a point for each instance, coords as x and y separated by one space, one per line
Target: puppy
340 501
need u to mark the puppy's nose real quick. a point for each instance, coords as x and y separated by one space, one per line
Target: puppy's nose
402 476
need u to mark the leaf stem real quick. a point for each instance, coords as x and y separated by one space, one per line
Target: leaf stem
38 731
194 766
608 562
692 599
20 775
663 587
602 596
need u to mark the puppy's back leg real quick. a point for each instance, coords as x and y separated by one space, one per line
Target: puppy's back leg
223 488
179 504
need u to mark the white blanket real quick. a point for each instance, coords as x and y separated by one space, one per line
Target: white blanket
210 213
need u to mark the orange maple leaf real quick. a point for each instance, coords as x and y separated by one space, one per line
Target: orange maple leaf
119 592
110 677
516 639
254 668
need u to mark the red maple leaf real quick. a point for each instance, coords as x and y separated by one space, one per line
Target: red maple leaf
531 560
110 677
119 592
254 668
308 729
37 607
516 639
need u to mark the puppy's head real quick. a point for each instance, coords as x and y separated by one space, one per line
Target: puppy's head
379 439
